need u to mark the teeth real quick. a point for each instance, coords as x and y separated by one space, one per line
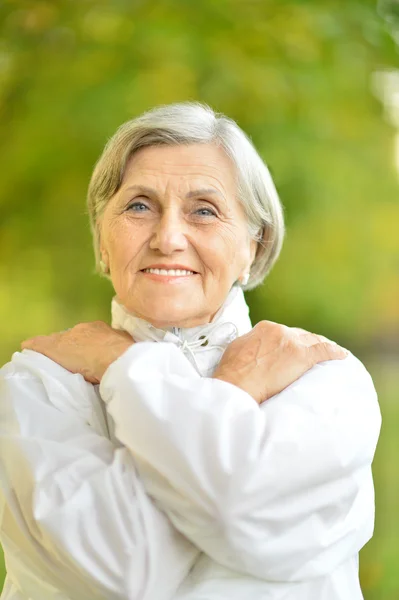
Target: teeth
168 272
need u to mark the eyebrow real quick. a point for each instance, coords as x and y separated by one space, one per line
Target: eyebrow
204 192
192 194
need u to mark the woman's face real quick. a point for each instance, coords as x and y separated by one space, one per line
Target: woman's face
176 208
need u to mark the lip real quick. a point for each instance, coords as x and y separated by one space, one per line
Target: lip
167 267
168 279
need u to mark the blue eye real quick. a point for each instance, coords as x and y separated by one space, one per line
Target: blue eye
208 210
137 204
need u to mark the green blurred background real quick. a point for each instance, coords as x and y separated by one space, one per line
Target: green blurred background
313 83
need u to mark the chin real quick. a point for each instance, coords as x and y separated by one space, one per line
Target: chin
161 315
178 318
171 319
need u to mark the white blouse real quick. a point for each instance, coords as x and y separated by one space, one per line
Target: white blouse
162 483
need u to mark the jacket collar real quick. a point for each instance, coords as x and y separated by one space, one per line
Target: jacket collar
202 345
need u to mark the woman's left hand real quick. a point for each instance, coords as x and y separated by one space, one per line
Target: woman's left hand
87 348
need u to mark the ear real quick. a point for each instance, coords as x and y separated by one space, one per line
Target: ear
103 252
252 251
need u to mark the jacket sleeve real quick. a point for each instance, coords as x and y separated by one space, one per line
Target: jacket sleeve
75 520
282 491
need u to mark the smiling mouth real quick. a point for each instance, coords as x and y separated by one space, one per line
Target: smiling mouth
169 272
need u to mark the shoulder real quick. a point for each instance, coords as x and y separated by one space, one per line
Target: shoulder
32 378
348 374
34 371
331 392
336 375
340 372
31 364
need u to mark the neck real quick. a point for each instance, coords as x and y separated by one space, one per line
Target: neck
184 324
189 323
201 344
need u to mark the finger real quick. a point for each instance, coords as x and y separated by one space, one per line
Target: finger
301 331
91 379
310 339
308 336
29 344
39 341
326 351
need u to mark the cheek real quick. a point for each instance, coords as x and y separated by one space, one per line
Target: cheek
223 251
123 243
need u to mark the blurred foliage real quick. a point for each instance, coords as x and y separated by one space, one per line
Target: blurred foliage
296 75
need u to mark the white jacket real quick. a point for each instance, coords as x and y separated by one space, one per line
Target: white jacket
165 484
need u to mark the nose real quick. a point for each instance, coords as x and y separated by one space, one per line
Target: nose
169 235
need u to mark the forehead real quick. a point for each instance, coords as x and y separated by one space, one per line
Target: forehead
204 163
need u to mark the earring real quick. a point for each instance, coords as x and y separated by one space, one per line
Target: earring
245 279
104 267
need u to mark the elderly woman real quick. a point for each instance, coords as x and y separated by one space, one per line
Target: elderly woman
221 461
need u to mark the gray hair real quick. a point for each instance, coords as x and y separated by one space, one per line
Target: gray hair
195 123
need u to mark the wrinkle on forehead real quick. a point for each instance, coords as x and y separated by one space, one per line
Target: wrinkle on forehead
182 169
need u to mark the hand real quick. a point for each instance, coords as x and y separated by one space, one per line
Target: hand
271 356
87 348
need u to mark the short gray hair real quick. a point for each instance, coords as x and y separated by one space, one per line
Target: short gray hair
195 123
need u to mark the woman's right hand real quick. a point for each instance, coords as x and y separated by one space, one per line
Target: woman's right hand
271 356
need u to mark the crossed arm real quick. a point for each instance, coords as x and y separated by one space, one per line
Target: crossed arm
282 491
75 520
